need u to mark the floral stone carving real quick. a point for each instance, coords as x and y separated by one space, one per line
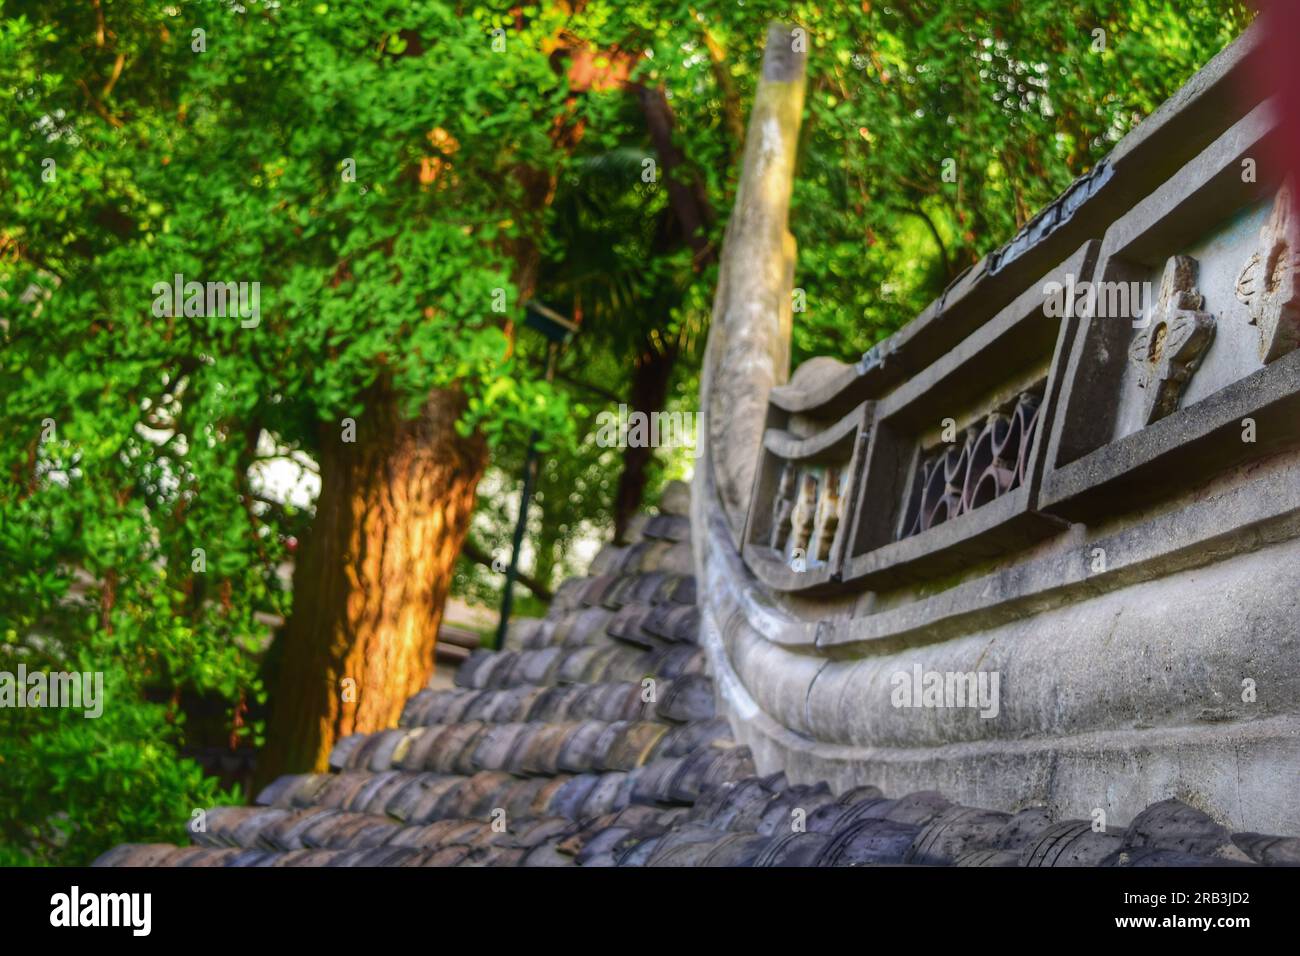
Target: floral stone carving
1269 283
1170 349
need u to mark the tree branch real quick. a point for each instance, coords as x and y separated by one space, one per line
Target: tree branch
938 240
473 552
108 117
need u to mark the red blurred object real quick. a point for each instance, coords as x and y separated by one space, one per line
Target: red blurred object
1279 73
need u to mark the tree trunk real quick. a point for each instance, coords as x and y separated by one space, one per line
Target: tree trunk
371 577
649 390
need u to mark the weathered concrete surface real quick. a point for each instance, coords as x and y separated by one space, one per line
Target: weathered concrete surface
1115 702
1117 688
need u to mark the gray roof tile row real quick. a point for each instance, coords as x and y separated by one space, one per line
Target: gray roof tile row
593 741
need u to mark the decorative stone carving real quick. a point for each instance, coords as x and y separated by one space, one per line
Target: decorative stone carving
806 513
783 506
1269 283
829 508
989 461
801 520
1170 349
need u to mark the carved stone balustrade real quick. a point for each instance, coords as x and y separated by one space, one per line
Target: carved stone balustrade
1077 470
1135 365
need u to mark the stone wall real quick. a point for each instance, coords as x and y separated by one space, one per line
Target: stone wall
1078 471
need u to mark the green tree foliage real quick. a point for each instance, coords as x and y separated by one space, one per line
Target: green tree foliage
224 155
1023 97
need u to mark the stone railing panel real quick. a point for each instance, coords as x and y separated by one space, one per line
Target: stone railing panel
1186 364
798 523
952 471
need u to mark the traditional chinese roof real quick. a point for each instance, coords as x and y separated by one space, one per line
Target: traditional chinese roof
592 741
